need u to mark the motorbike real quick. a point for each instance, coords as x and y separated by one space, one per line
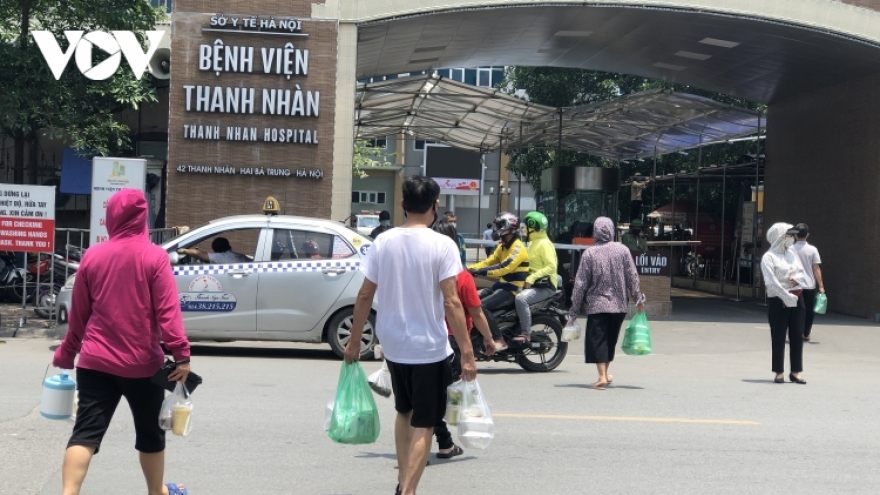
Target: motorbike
11 278
545 351
51 271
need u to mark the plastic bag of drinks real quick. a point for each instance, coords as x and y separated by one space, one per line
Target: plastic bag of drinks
176 412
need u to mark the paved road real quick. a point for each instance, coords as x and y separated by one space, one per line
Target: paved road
700 415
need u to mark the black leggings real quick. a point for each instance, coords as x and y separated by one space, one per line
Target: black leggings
787 320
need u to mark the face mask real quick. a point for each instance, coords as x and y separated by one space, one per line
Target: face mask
452 223
789 242
385 223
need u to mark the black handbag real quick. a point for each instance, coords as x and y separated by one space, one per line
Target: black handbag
161 378
542 283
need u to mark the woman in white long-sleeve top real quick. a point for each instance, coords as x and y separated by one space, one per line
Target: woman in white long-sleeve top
784 279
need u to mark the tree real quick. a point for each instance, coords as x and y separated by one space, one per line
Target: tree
74 107
368 156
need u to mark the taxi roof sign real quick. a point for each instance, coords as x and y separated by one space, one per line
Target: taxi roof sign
271 207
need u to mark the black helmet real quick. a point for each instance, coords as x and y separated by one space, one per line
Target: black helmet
506 223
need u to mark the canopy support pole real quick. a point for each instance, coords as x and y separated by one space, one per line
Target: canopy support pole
723 225
671 272
757 196
519 178
654 181
697 213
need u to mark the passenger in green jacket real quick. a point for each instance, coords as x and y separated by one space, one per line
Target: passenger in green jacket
541 282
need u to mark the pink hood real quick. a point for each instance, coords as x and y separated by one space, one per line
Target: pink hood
127 214
124 299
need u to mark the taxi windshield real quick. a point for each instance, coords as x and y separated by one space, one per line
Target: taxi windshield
368 221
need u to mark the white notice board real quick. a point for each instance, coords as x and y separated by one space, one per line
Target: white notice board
27 218
109 176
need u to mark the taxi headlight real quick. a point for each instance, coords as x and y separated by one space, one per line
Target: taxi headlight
69 283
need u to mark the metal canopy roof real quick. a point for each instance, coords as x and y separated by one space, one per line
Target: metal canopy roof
438 109
481 119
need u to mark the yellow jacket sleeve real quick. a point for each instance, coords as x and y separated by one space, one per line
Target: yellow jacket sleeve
516 256
493 259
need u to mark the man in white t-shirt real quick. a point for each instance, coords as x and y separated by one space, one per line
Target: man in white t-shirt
809 256
411 271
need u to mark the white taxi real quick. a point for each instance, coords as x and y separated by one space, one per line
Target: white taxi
295 279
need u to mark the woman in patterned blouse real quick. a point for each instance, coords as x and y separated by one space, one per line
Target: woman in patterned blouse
605 275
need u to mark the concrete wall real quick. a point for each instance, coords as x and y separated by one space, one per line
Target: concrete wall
857 18
824 169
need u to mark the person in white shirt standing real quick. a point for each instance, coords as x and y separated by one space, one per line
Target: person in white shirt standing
784 279
810 259
412 271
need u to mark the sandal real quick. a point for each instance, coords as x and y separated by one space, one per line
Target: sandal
456 450
598 386
174 489
521 339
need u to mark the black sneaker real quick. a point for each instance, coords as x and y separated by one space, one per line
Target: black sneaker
806 338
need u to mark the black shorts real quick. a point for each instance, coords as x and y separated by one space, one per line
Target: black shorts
98 396
421 388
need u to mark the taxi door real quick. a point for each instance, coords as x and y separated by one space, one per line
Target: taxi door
219 300
308 270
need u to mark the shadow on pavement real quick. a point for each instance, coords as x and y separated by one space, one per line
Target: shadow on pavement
609 387
262 352
768 381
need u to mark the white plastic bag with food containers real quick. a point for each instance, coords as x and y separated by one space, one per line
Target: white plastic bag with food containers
466 407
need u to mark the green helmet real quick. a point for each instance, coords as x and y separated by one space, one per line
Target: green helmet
536 221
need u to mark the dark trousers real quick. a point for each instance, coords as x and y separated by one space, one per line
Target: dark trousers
787 320
810 303
600 339
441 431
635 209
497 299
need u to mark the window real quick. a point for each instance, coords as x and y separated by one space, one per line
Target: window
372 197
166 4
470 76
419 144
304 245
484 77
379 143
243 243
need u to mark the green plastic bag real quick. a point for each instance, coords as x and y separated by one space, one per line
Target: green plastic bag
637 339
355 419
821 304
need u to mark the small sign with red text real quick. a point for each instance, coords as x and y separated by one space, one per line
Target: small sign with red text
27 218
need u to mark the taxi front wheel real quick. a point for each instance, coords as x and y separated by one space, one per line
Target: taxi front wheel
339 333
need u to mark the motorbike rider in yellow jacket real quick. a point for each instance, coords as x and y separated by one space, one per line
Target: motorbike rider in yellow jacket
509 263
542 281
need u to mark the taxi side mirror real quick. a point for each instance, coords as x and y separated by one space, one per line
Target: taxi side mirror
173 257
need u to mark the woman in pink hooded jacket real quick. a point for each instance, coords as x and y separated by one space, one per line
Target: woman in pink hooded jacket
124 302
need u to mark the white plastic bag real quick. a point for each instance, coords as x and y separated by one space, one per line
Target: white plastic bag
176 412
475 426
572 331
453 402
380 381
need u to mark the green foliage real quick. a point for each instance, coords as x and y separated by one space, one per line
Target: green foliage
73 108
368 156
